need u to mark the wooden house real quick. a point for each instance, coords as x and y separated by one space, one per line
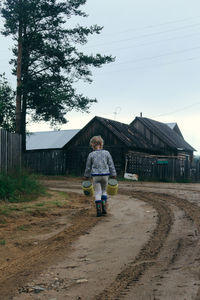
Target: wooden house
143 138
167 139
118 139
174 126
146 147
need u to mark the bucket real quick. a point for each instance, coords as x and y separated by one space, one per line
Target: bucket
88 189
112 187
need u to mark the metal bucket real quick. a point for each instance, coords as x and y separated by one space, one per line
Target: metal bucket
88 189
112 187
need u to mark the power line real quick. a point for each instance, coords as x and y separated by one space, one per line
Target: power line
178 110
150 66
156 42
159 56
153 26
145 35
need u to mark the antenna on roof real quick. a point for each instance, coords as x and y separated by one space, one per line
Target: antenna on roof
117 111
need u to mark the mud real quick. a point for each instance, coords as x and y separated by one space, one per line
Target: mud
147 247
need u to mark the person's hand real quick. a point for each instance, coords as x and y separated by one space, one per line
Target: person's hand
114 177
86 178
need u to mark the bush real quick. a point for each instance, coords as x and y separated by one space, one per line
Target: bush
19 186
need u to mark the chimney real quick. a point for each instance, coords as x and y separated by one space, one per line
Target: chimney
141 114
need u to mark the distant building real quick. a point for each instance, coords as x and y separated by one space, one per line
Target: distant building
145 146
143 135
166 138
49 139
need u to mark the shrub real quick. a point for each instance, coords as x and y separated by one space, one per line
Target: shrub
19 186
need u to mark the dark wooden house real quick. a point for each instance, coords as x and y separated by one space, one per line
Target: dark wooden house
118 138
151 149
143 138
165 139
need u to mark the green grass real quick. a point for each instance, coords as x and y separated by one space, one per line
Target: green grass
41 204
64 194
21 227
4 211
19 186
44 205
57 203
2 242
3 221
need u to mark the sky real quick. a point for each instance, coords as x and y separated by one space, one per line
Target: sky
157 67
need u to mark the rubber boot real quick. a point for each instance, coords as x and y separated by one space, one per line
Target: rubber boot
98 209
104 200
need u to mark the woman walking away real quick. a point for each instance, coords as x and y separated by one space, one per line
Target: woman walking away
99 165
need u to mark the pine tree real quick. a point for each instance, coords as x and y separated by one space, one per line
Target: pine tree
47 60
7 105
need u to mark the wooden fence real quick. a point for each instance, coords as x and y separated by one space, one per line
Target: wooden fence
148 167
10 151
163 168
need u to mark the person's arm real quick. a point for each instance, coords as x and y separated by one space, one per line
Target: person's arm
88 167
111 166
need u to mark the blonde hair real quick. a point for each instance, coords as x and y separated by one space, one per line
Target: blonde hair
96 141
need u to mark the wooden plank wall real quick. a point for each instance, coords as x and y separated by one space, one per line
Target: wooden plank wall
61 162
77 157
47 162
72 161
163 168
10 151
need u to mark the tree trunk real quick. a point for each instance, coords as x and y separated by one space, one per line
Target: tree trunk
19 74
23 121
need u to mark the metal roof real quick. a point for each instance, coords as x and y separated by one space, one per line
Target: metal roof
49 139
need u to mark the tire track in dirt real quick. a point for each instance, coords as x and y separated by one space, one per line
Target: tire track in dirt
192 212
165 205
147 256
16 272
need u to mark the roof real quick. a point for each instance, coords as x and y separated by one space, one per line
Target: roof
49 139
128 135
166 134
174 126
171 125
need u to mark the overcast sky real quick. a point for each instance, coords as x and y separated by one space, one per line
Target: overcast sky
156 72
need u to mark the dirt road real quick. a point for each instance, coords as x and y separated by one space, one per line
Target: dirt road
147 247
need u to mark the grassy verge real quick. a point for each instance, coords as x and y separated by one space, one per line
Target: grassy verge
19 186
43 205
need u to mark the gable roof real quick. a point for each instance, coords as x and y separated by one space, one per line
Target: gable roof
174 126
129 136
49 139
165 133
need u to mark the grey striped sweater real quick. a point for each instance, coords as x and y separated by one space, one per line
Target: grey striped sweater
99 163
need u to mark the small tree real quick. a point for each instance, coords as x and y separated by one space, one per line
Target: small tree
47 61
7 105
